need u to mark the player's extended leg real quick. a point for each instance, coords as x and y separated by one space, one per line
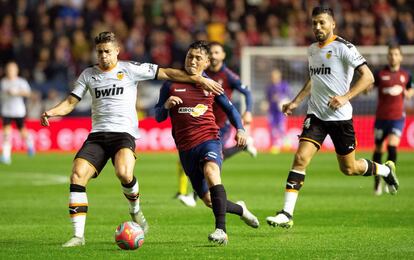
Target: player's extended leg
350 166
186 199
29 141
294 183
124 169
7 144
218 201
82 172
393 143
377 157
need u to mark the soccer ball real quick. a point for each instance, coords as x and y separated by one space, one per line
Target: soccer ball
129 236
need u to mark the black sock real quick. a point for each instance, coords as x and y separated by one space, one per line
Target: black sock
372 168
219 201
377 157
229 152
234 208
392 153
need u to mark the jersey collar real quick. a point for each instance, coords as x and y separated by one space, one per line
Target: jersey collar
107 70
328 41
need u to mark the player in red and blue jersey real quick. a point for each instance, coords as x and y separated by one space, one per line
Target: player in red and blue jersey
197 139
230 82
393 84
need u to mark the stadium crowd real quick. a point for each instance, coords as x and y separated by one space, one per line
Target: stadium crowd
51 40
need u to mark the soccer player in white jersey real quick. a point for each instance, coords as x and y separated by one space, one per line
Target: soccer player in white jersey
113 86
332 62
13 91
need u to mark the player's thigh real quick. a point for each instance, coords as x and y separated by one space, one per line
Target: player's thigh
19 123
124 163
190 160
82 172
397 127
94 153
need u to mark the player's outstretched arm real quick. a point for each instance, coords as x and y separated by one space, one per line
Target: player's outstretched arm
181 76
234 117
288 108
61 109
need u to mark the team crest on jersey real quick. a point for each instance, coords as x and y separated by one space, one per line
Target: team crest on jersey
196 111
120 75
329 55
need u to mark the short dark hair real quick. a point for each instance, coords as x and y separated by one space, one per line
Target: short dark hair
214 43
393 46
105 37
201 45
322 10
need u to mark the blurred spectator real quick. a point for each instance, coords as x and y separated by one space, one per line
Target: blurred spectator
277 93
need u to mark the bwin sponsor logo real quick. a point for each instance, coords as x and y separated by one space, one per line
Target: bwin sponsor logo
320 70
109 91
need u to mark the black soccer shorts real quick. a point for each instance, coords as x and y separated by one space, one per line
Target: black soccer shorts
341 132
100 146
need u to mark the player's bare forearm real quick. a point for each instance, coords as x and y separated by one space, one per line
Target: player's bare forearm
365 81
61 109
288 108
181 76
303 93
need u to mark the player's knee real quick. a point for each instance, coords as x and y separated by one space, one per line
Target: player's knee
301 160
78 177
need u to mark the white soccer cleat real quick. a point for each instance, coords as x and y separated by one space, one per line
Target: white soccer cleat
378 186
140 220
219 237
247 216
250 148
391 179
75 241
187 200
4 160
282 219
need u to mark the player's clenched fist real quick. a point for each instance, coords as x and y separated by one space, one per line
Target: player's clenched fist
44 119
172 101
288 108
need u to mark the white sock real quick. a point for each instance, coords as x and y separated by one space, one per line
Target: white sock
290 201
131 192
77 203
7 150
382 170
29 143
291 195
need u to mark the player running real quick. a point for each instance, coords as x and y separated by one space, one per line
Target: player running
332 62
197 139
393 84
113 87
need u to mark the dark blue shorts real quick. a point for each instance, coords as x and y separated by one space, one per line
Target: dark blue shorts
383 128
193 162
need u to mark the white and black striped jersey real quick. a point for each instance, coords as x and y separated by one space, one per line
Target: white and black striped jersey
331 68
13 106
114 95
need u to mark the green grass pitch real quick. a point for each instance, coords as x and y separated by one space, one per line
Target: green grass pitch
336 217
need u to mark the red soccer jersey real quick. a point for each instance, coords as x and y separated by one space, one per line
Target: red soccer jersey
391 85
193 121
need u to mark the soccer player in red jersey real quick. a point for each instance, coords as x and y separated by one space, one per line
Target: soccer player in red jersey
393 84
197 139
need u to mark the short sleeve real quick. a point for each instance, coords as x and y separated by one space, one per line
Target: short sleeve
352 57
143 71
81 85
